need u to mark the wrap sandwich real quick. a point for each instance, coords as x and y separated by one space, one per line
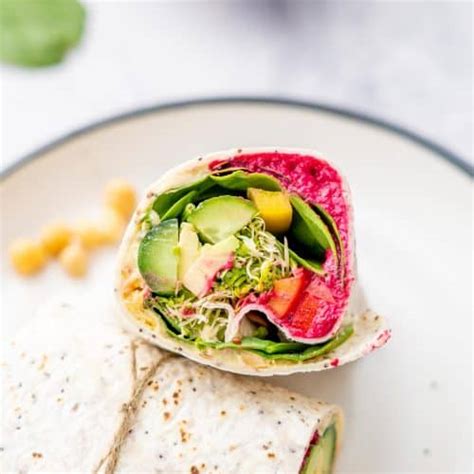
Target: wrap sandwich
84 396
245 260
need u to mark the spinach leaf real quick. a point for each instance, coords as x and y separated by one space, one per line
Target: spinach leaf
255 343
172 325
291 351
39 32
210 186
165 201
216 191
294 351
312 352
309 230
178 207
241 181
331 224
310 264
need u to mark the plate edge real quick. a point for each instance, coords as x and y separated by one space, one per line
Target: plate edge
451 157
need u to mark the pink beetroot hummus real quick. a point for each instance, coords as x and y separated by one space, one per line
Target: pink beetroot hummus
318 183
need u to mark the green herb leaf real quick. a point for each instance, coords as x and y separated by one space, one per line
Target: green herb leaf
179 206
166 200
255 343
331 224
212 186
309 230
317 350
294 351
310 264
39 32
241 181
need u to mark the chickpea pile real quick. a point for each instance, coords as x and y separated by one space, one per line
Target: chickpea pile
72 244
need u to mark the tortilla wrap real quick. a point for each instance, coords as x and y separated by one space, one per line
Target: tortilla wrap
84 396
327 322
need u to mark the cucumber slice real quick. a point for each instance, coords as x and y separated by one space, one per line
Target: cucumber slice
220 217
158 257
321 457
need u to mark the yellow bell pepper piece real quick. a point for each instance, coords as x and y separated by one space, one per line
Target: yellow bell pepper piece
274 208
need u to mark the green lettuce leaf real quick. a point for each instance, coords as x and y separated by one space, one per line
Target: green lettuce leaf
309 230
172 203
331 224
317 350
294 351
241 181
166 200
310 264
178 207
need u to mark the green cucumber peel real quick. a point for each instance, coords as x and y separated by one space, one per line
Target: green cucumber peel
157 257
321 455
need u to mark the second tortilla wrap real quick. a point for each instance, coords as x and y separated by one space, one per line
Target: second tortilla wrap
82 395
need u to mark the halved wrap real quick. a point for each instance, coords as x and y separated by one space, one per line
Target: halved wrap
244 260
83 396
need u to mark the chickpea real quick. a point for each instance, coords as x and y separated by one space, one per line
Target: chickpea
120 196
55 237
74 259
90 234
113 225
27 256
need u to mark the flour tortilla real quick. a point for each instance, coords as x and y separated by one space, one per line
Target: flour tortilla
83 396
370 329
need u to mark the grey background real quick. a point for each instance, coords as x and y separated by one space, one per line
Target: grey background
405 61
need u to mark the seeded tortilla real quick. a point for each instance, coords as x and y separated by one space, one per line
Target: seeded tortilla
81 395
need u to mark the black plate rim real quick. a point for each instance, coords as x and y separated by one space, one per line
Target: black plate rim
438 149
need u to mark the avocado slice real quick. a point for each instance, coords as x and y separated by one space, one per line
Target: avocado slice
212 258
220 217
321 456
189 248
158 257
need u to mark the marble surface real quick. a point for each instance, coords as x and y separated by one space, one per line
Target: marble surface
407 62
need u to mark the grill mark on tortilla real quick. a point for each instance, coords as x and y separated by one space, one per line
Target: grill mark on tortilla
129 410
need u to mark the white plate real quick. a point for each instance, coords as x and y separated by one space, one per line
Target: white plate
408 406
